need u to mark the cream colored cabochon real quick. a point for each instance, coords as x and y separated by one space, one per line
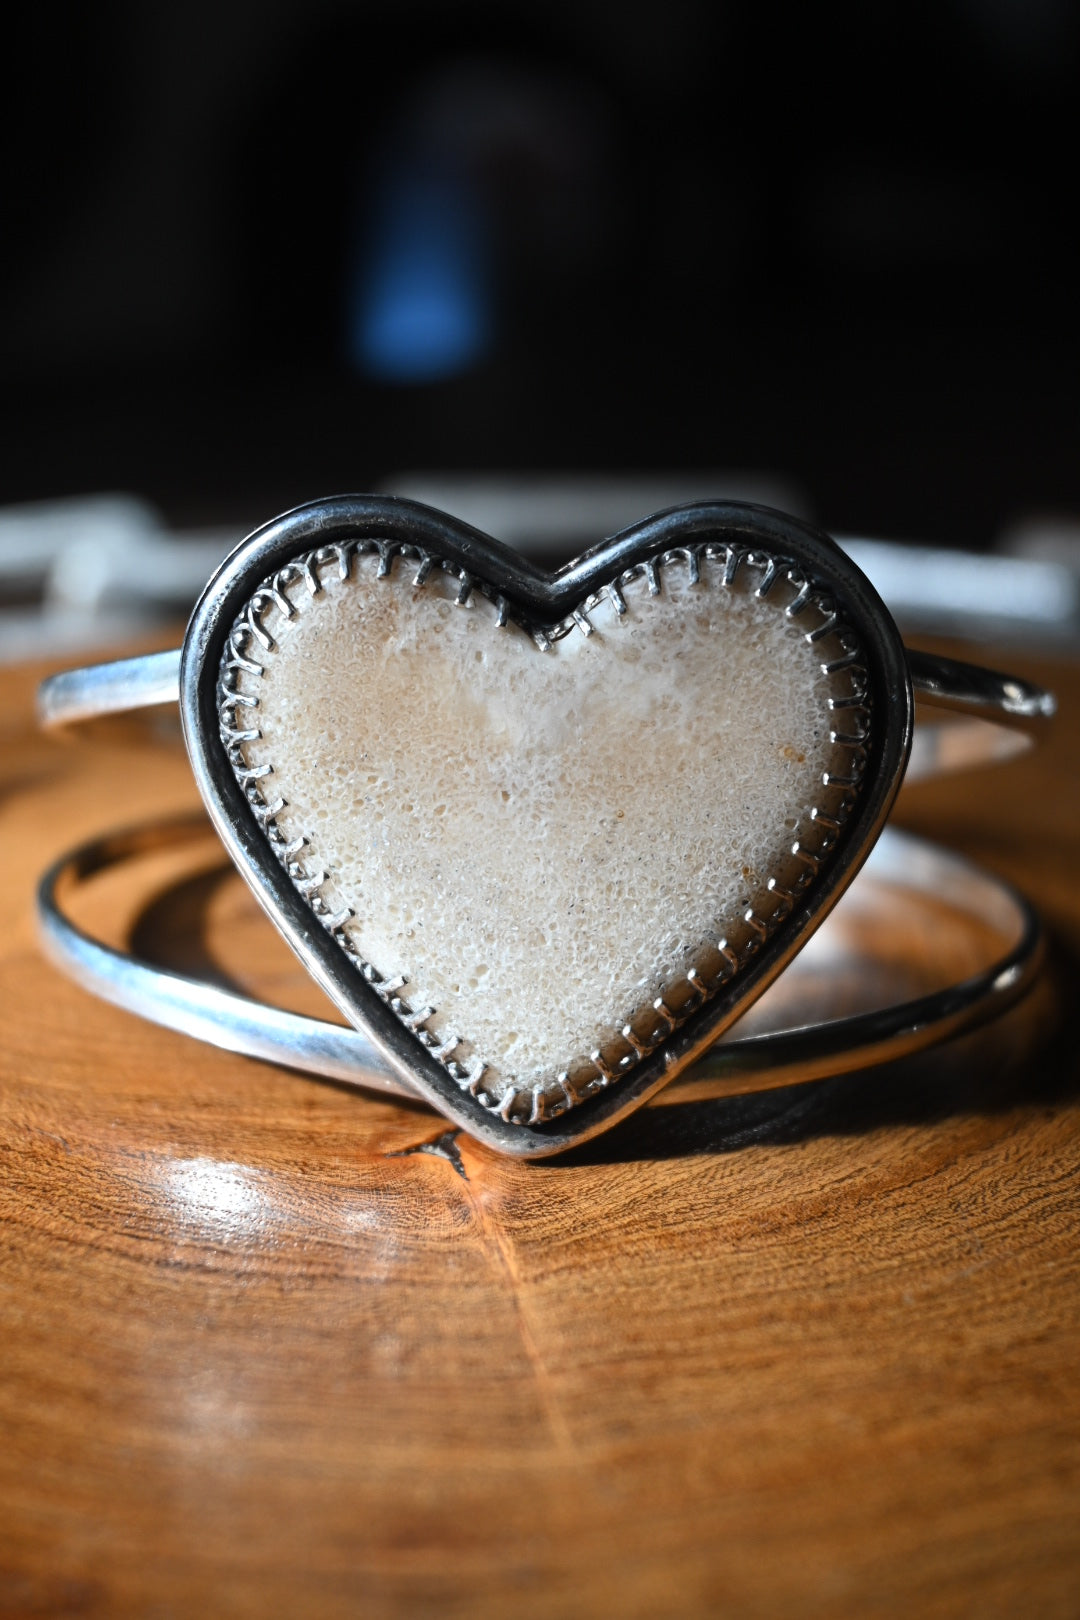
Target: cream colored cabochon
539 842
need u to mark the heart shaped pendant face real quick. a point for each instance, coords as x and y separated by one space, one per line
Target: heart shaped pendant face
543 836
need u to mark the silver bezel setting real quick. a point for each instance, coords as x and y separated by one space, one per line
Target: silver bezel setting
295 588
846 617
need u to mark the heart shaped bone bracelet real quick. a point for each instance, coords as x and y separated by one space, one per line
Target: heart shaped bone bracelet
543 838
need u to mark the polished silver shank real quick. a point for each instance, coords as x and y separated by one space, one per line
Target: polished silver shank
119 687
735 1064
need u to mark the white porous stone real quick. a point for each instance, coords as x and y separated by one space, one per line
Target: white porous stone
539 842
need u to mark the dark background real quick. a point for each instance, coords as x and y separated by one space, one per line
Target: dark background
834 243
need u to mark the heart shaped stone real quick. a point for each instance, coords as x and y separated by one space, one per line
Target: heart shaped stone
547 841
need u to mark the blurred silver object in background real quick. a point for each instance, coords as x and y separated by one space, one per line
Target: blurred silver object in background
981 597
91 571
554 516
1030 598
82 574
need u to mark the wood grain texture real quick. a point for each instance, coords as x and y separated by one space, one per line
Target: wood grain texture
270 1348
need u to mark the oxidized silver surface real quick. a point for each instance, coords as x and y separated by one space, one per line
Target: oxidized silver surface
361 564
844 614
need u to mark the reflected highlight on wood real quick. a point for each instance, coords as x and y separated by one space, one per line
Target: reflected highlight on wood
273 1348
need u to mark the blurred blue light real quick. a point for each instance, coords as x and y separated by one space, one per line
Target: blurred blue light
420 302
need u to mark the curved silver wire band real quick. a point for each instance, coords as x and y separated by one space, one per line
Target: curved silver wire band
993 715
772 1057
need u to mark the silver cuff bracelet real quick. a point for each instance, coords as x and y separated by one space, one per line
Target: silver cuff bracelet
546 839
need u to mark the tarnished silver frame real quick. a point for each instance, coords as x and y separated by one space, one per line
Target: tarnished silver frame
544 602
367 565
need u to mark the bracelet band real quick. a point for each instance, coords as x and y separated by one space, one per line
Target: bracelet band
785 1048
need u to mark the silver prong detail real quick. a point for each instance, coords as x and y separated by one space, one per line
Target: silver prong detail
278 598
837 664
663 1011
698 985
824 628
509 1099
768 578
474 1076
639 1046
308 885
785 897
263 637
238 661
602 1067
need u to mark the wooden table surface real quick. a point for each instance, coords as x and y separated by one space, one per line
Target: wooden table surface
261 1356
